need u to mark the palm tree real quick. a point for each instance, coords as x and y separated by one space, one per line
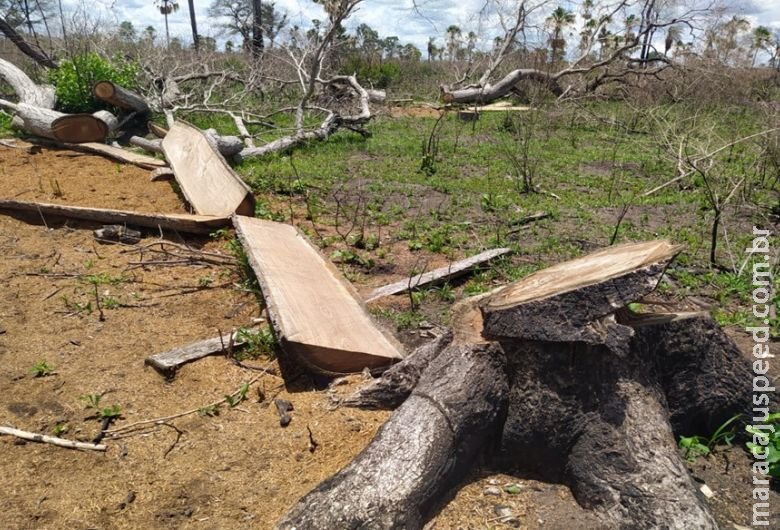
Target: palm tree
761 39
453 42
586 35
431 48
471 44
167 7
731 30
673 35
586 9
193 24
631 22
558 20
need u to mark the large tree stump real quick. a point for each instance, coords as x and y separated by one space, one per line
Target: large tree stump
594 397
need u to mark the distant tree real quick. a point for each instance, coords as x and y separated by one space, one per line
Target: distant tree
673 35
410 52
586 35
208 44
762 37
453 41
558 20
229 46
176 44
127 31
167 7
193 25
257 28
431 48
390 46
150 34
237 17
471 44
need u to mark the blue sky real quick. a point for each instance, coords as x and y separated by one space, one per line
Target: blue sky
389 17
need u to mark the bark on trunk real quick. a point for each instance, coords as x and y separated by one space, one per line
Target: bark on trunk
120 97
487 93
598 415
424 449
27 91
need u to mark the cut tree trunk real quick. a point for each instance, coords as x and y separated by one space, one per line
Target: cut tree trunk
120 97
69 128
596 412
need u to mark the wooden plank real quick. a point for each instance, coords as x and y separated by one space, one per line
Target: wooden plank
199 224
168 362
316 314
207 181
109 151
437 276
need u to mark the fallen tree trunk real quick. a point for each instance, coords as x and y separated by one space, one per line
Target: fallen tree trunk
108 151
28 92
598 415
69 128
120 97
487 93
424 449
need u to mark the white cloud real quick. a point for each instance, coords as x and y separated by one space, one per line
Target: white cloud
389 17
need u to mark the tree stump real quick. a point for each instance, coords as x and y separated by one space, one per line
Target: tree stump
568 382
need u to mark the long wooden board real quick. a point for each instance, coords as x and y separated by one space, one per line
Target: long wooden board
316 314
207 181
437 276
198 224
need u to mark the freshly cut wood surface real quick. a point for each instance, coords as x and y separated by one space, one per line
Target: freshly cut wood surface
317 316
594 268
437 276
80 128
208 183
199 224
575 301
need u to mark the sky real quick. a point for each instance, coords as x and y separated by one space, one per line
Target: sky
389 17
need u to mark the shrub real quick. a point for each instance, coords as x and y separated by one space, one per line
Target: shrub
74 78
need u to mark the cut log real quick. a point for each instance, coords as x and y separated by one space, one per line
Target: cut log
41 96
120 97
83 128
438 276
153 146
423 450
207 181
109 151
575 301
196 224
168 362
156 130
316 315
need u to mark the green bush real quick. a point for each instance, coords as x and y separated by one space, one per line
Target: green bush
372 74
74 78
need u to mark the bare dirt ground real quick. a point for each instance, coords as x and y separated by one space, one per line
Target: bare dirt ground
238 469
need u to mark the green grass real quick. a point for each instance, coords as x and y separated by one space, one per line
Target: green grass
585 169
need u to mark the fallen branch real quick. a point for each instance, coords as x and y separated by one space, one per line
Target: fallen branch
437 276
59 442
